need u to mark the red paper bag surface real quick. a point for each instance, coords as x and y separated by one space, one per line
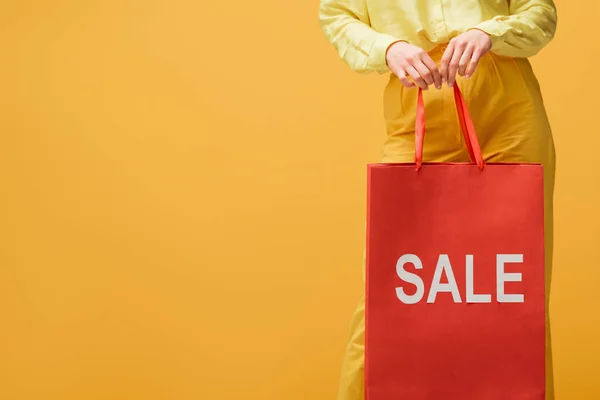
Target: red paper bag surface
455 280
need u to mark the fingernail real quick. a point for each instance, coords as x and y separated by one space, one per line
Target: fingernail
438 87
467 76
450 84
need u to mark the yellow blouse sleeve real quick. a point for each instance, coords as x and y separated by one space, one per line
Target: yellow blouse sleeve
346 26
529 27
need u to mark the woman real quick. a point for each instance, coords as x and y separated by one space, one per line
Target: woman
482 45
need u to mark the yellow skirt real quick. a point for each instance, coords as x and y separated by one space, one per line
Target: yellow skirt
506 106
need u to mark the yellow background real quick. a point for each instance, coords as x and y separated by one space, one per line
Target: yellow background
182 199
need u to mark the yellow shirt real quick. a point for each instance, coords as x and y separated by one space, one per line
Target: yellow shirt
362 30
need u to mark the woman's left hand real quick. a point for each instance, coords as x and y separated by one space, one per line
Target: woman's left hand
463 54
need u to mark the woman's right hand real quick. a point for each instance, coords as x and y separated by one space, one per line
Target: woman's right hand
406 60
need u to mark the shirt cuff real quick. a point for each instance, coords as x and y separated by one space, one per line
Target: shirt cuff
496 29
379 51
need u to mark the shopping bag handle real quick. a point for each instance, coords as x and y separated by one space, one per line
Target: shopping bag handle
466 124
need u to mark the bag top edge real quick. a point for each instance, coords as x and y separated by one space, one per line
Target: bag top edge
383 165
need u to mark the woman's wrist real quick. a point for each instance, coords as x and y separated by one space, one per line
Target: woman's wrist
389 47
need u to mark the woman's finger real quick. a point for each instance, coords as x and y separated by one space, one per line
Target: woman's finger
424 72
416 77
473 64
453 65
445 62
433 69
464 60
401 74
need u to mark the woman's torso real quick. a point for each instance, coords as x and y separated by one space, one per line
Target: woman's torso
429 23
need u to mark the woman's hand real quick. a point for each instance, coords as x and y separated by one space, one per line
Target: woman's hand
463 54
405 60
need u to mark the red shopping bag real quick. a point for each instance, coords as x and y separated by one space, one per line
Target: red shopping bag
455 278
